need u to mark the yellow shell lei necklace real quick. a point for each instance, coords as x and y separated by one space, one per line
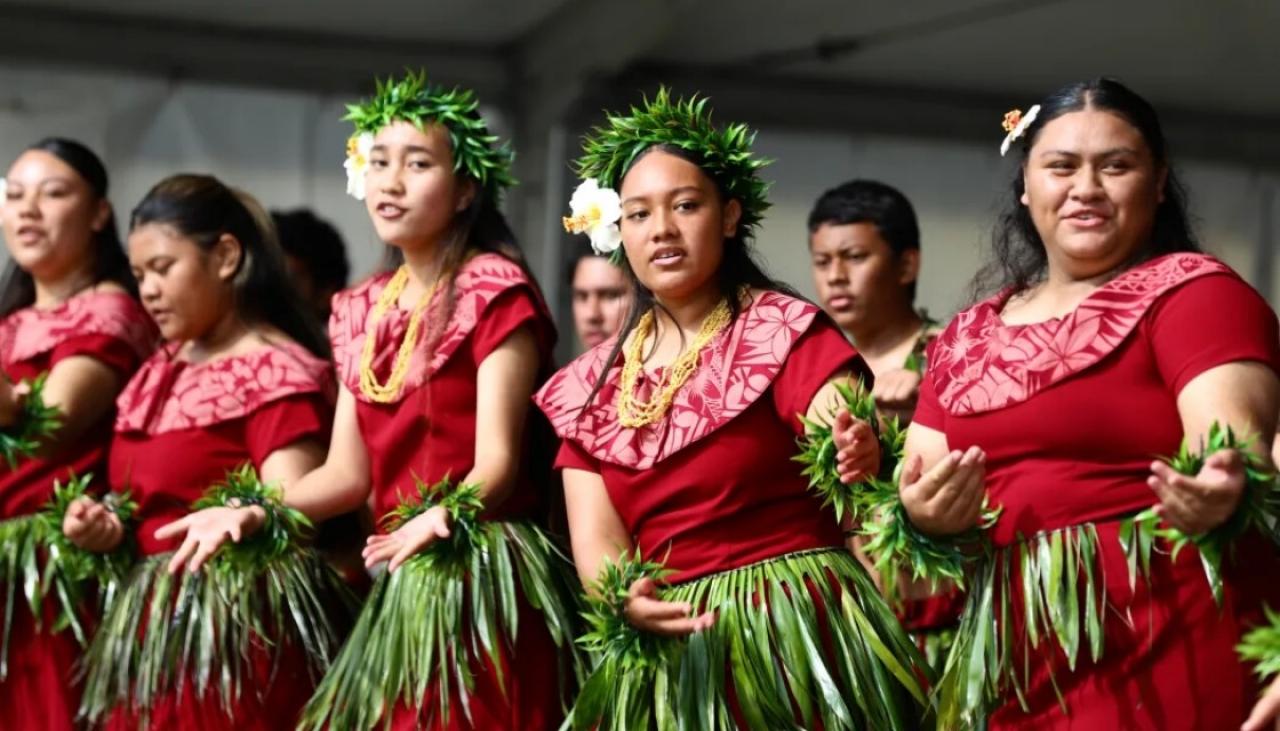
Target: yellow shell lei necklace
633 413
390 391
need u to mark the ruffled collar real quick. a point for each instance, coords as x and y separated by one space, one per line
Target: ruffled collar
480 280
31 332
169 395
980 364
736 369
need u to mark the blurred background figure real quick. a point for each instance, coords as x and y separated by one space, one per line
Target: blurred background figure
316 257
315 254
599 293
864 244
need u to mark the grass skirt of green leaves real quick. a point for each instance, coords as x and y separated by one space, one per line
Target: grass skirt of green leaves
432 623
1063 601
791 661
936 645
37 562
1062 592
160 628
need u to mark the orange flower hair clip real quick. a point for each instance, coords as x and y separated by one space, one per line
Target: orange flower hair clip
1015 125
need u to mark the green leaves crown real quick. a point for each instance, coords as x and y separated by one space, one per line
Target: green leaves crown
476 152
725 154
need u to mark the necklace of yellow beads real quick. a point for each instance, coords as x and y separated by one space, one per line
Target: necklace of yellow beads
390 391
634 413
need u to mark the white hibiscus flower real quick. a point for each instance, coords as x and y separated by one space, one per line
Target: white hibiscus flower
357 163
596 212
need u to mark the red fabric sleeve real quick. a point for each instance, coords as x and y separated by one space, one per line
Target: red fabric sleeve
820 353
573 456
286 421
115 353
1211 321
509 311
928 410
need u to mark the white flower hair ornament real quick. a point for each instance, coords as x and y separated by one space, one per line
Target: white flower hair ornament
357 164
4 188
1015 125
596 211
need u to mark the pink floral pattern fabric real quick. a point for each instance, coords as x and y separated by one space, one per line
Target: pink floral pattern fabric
477 283
169 395
30 332
979 364
735 370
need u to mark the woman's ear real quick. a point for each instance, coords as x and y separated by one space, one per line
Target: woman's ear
101 216
226 255
732 214
469 190
908 266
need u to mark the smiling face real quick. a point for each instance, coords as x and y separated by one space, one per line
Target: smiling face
50 215
857 274
412 193
186 289
674 225
1092 189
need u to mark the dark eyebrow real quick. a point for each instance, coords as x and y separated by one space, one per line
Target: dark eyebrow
407 148
1105 153
152 260
677 191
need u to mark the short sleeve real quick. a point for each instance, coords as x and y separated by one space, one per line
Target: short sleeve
1211 321
820 353
573 456
115 353
514 308
286 421
929 410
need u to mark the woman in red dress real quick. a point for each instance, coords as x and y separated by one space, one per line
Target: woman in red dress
470 627
66 313
724 594
242 379
1111 340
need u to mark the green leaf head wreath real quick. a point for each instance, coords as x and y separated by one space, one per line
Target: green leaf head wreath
724 154
477 153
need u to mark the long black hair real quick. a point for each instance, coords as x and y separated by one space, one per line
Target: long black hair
203 209
110 264
738 268
1018 258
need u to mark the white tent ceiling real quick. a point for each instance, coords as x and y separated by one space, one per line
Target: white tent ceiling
1219 56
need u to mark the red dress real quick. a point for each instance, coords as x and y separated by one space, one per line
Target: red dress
110 327
711 492
429 433
180 429
1070 413
712 486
